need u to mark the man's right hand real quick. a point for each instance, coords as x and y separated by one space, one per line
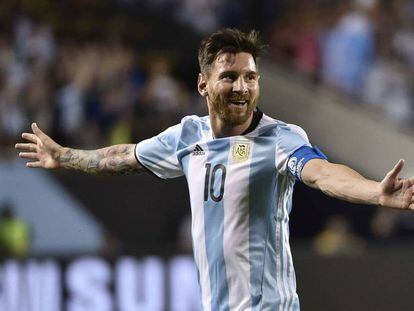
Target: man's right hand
41 150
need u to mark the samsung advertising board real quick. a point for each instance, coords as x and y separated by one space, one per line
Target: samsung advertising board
95 284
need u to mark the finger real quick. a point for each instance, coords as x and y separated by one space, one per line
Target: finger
25 147
408 196
36 129
34 164
30 137
398 184
28 155
406 185
410 181
396 169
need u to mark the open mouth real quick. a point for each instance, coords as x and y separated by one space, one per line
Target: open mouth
238 102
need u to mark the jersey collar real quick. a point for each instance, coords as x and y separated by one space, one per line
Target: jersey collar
257 116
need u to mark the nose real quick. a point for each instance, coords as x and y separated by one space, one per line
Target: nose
240 86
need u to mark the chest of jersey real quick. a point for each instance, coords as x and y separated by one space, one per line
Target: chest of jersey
229 168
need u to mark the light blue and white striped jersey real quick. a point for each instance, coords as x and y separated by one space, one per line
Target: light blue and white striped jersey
241 196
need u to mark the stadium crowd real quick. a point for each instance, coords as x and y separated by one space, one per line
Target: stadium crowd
105 89
362 48
89 93
100 88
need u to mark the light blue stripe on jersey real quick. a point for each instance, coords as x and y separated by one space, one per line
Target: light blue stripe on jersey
214 228
262 244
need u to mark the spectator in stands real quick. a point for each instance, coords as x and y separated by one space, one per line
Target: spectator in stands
388 86
348 49
390 223
232 13
14 234
12 116
199 14
306 50
338 239
70 97
403 34
162 92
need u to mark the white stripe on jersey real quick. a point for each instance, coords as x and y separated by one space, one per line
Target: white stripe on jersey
197 227
289 272
236 231
287 263
279 268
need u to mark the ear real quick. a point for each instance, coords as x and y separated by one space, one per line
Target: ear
202 85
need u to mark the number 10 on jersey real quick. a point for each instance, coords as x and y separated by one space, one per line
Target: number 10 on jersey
210 180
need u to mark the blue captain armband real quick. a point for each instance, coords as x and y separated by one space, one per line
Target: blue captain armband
301 156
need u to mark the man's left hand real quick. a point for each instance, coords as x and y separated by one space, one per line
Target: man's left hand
397 192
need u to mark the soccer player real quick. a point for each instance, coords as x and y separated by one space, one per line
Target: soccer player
241 166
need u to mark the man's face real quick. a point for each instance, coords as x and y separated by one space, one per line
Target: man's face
232 87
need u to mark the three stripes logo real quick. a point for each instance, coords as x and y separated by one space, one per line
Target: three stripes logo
198 151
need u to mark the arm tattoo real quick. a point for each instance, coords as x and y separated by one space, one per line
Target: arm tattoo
114 160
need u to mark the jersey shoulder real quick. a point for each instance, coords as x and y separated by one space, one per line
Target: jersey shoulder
194 120
269 126
194 129
288 128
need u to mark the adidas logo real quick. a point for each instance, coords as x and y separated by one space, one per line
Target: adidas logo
198 151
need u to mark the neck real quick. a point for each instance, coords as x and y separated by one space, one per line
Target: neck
221 129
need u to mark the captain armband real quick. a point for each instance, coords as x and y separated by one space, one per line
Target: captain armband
301 156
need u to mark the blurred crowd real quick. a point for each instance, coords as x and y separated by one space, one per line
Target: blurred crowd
362 48
91 91
102 91
86 93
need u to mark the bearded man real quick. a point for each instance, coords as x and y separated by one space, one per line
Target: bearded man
240 166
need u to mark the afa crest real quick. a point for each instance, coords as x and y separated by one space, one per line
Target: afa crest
241 151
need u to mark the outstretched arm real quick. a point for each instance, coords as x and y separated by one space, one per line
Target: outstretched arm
44 152
344 183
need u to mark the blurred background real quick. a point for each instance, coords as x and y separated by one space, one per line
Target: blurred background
94 73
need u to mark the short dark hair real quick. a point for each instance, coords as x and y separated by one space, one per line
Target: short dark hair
229 40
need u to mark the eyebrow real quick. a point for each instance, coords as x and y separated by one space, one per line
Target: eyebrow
232 72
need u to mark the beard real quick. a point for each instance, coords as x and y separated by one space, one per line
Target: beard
230 114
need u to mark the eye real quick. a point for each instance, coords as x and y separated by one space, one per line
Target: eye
252 77
229 76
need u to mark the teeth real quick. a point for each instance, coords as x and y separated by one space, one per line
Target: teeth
238 102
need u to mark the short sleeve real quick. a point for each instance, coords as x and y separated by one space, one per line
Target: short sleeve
302 156
159 153
289 138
